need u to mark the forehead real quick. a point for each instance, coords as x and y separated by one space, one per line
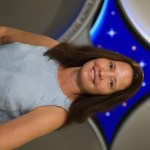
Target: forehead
124 74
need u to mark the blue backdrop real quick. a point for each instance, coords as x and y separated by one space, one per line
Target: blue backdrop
111 32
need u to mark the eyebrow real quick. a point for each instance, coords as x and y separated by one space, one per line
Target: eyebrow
114 65
115 78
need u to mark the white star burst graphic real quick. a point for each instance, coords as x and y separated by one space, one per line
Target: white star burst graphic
142 63
111 33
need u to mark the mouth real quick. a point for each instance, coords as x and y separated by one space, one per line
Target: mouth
93 75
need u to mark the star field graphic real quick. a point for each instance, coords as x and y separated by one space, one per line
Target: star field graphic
111 32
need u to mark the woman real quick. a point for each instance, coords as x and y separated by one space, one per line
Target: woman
81 80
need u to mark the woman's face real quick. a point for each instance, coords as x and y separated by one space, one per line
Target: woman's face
104 76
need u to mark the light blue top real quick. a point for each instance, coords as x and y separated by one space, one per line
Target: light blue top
27 80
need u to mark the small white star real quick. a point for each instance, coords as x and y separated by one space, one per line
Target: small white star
143 84
142 64
111 33
113 13
124 104
134 48
107 114
99 46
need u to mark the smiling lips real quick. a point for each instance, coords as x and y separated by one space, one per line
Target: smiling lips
93 74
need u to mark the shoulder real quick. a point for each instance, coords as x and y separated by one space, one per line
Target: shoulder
51 113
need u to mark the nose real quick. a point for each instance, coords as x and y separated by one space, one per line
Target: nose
106 74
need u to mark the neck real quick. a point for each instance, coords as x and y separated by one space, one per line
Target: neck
67 79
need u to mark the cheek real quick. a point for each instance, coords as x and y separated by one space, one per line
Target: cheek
102 87
85 75
83 79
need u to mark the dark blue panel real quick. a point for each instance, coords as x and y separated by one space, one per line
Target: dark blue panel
110 31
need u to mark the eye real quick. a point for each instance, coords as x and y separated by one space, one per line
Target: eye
111 83
111 65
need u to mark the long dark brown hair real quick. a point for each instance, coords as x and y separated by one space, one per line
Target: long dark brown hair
86 105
